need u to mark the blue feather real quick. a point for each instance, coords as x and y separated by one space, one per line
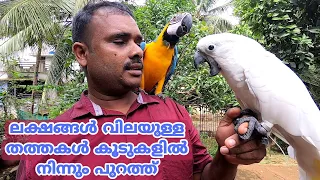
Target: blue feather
172 66
143 45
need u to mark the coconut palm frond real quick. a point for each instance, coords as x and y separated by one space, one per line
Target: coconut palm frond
210 3
27 36
220 8
32 16
16 42
21 14
213 12
79 4
66 6
57 67
57 64
219 23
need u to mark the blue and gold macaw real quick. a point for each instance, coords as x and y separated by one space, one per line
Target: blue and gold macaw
161 56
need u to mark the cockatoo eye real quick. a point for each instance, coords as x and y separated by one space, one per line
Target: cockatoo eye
211 47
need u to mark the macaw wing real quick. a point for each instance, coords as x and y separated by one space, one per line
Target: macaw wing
172 67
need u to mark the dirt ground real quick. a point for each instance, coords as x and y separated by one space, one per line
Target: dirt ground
274 167
268 172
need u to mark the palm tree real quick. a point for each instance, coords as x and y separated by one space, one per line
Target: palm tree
63 50
216 13
32 23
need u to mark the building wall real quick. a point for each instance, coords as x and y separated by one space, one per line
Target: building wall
26 60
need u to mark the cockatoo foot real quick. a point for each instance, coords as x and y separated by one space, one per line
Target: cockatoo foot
254 127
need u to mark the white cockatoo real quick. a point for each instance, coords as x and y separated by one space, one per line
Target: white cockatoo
265 85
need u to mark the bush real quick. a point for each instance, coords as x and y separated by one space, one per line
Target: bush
210 143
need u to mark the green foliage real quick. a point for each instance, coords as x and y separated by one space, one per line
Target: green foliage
280 144
191 86
289 29
11 67
211 10
8 101
312 78
187 86
62 60
30 22
68 94
154 16
210 143
9 104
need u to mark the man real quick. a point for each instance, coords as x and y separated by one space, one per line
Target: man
106 44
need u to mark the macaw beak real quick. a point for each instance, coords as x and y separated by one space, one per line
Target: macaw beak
180 24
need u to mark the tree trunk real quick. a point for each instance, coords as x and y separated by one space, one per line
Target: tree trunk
35 75
5 110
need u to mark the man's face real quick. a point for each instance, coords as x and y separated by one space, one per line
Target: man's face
114 60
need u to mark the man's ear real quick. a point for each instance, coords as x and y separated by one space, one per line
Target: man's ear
80 51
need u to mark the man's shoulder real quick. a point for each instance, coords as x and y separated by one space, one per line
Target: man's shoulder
166 100
171 104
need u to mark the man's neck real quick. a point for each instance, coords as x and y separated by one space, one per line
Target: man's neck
117 103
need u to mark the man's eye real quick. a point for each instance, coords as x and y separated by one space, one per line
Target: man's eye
119 42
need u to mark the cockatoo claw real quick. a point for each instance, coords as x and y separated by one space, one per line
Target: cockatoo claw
254 129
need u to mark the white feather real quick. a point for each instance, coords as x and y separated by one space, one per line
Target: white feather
262 83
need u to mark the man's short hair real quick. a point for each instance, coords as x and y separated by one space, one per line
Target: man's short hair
84 16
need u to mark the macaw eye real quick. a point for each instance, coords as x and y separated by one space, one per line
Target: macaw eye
211 47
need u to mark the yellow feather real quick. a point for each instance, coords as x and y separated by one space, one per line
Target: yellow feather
157 60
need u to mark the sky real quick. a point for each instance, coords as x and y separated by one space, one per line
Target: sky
140 2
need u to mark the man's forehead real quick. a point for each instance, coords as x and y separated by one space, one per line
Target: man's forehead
129 26
108 17
107 12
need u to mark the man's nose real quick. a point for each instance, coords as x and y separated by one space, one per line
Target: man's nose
136 51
